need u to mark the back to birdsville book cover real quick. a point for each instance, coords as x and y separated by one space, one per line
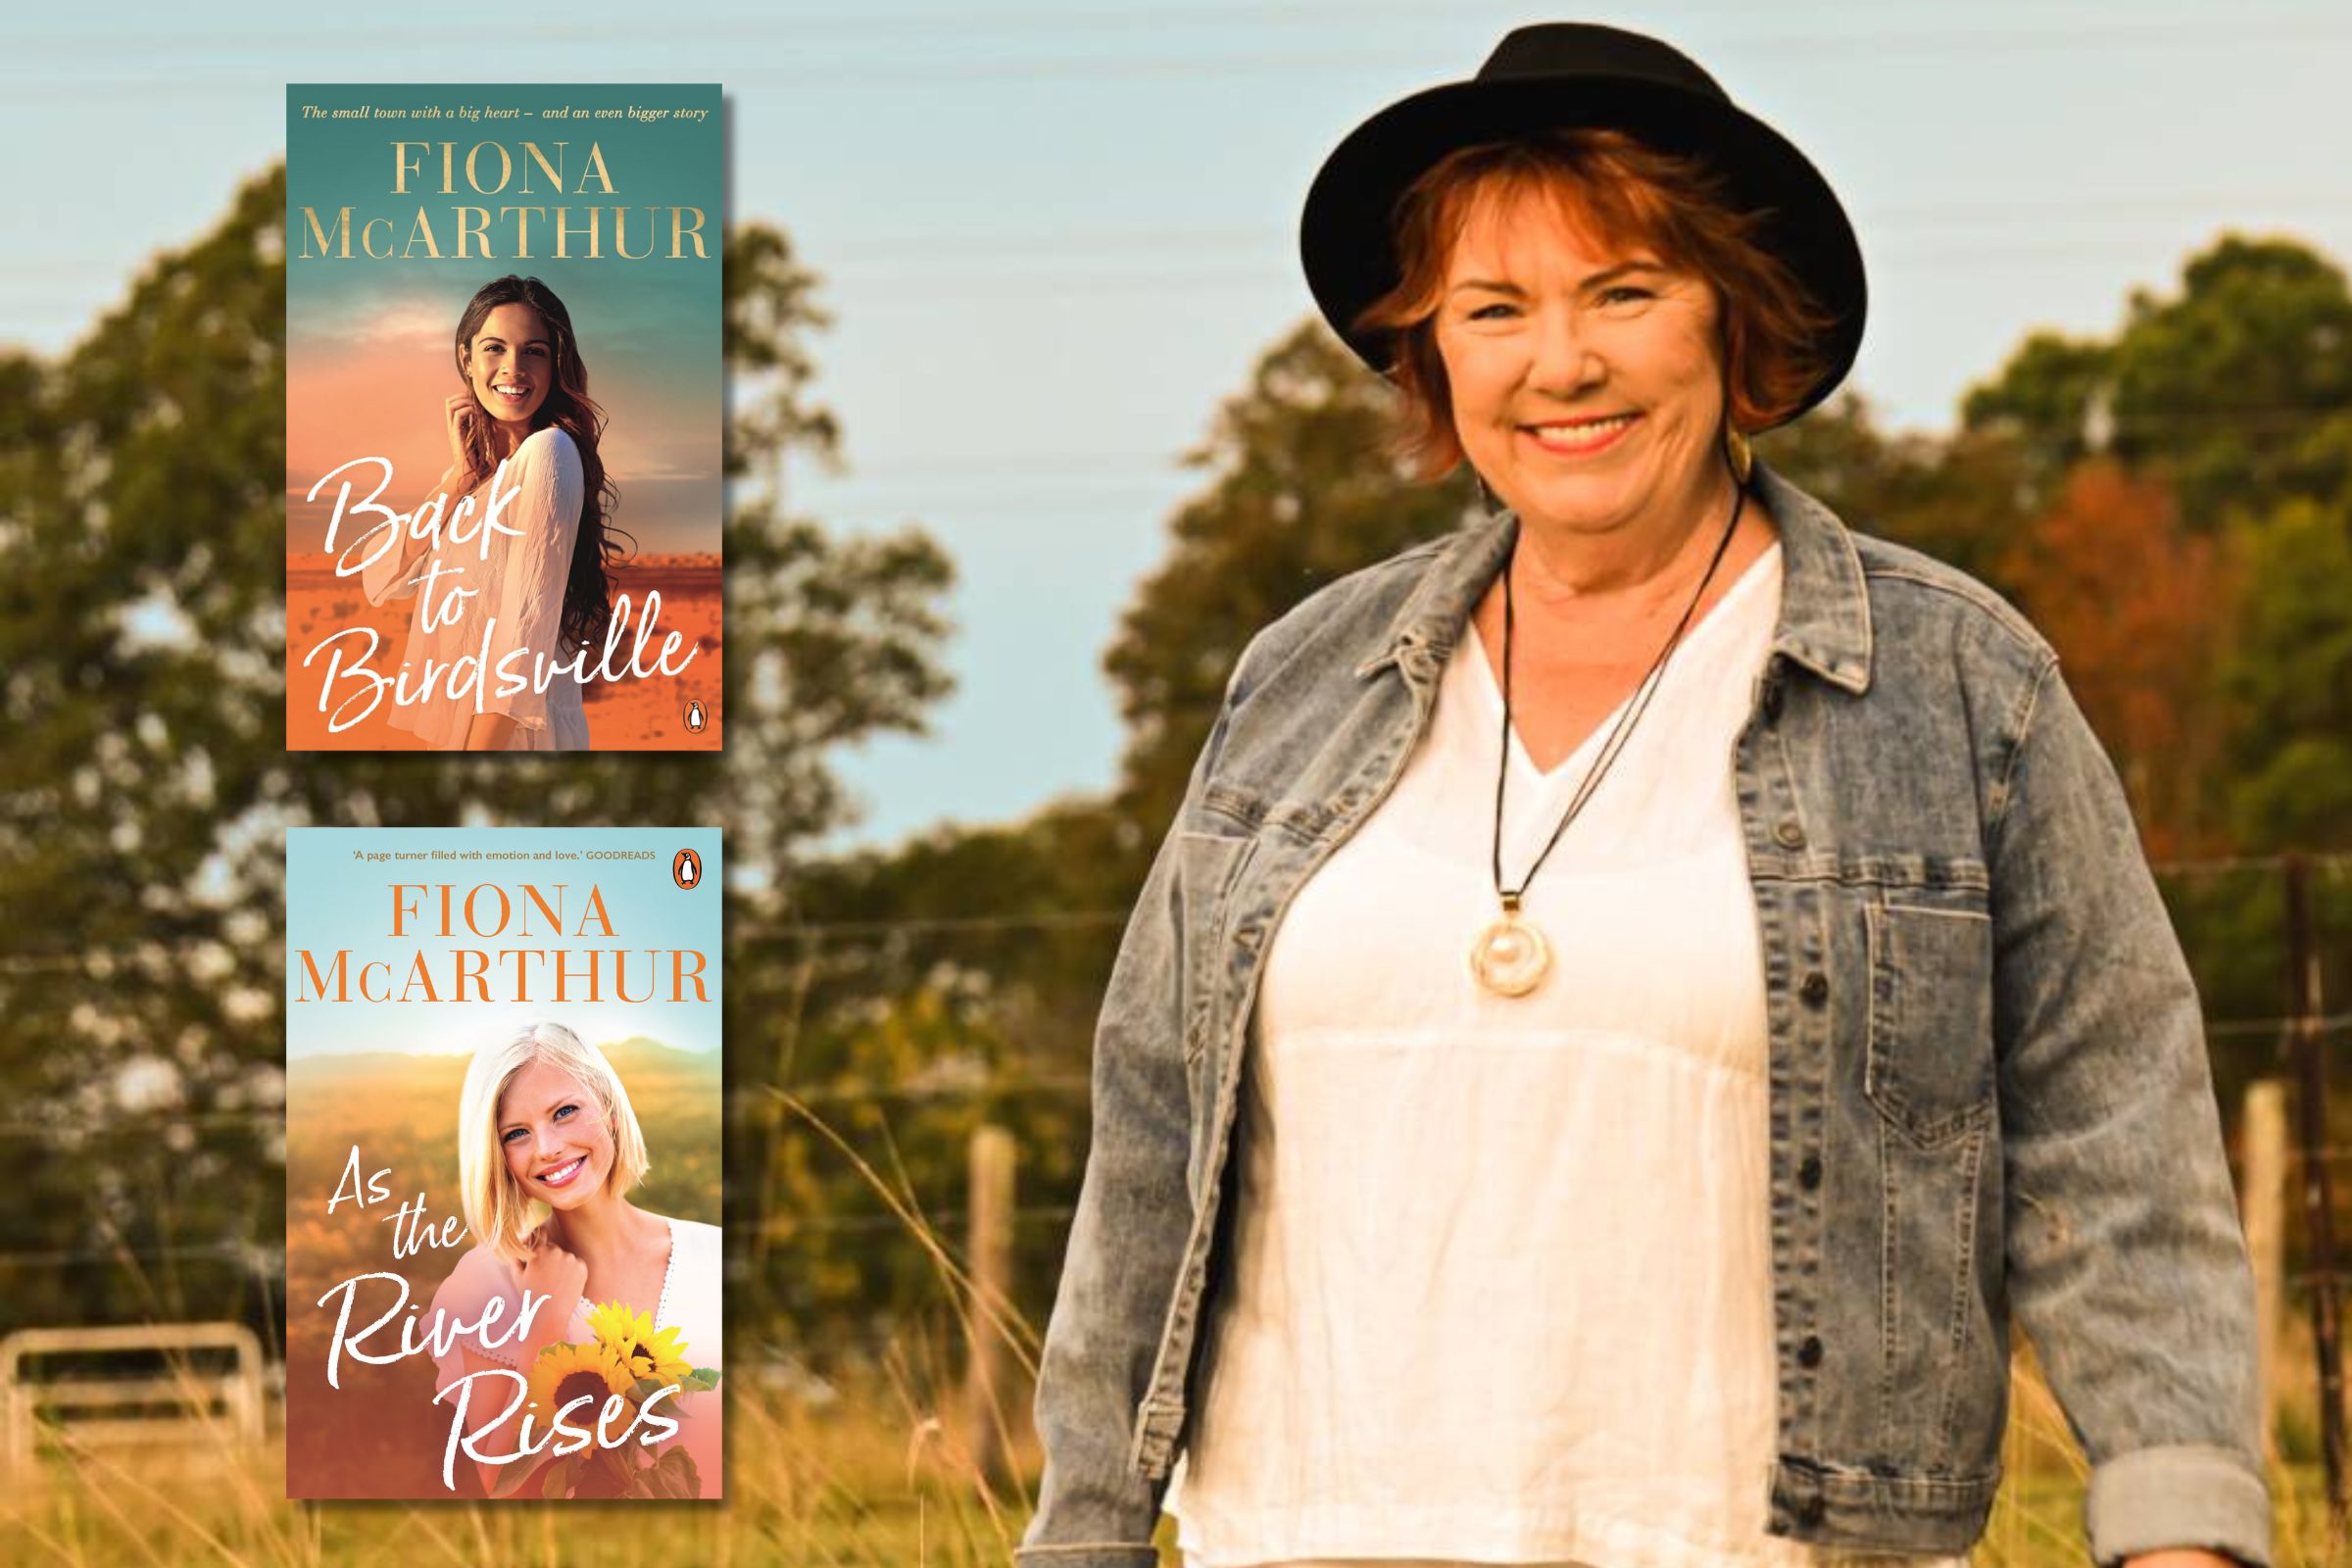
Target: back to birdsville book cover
504 1272
502 418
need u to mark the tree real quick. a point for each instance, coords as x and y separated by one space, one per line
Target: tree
2140 610
145 791
2291 674
1302 494
2053 399
2217 390
1961 499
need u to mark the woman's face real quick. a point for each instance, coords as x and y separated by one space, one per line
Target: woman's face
1586 387
557 1144
511 364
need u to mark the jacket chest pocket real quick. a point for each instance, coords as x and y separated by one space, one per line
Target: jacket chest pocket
1927 1065
1210 867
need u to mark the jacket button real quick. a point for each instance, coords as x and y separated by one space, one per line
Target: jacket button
1809 1352
1789 835
1808 1174
1815 989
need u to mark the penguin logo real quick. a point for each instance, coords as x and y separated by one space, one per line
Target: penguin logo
694 717
686 868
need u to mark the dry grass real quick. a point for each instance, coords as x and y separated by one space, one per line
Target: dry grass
880 1474
874 1478
852 1484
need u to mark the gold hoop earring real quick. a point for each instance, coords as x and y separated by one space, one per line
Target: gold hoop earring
1743 457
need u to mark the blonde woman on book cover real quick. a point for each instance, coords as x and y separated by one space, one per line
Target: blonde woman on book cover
1644 992
533 595
548 1150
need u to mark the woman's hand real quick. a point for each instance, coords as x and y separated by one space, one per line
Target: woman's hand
458 412
560 1277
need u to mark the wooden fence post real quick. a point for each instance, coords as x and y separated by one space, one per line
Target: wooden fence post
2263 1131
992 1210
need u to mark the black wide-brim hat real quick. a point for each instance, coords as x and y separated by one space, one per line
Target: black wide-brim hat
1557 75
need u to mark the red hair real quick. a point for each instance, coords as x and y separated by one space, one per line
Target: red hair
1625 194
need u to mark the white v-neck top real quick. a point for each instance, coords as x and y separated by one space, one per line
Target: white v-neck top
1501 1287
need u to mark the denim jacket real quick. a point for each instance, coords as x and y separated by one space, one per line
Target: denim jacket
1988 1082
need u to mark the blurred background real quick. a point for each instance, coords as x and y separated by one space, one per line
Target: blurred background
1029 430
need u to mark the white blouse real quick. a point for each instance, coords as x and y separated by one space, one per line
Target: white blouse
516 585
1501 1287
691 1303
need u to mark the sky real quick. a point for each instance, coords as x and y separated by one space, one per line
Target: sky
1053 235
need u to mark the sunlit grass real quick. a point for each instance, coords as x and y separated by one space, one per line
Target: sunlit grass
878 1476
864 1479
879 1469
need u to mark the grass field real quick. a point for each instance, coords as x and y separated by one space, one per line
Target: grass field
874 1473
873 1477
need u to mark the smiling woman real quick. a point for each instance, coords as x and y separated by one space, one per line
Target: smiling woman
1593 1073
1480 233
524 440
548 1150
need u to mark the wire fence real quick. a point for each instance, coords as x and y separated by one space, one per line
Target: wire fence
857 949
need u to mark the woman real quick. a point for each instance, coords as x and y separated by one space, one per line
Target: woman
529 596
548 1150
1640 989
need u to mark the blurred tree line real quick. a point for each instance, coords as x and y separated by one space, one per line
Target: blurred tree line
2171 504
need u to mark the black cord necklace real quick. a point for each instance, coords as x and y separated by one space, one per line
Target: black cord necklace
1511 956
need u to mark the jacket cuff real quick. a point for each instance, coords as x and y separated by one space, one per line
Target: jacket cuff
1094 1554
2184 1496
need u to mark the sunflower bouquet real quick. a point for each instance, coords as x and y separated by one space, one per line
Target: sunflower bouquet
648 1370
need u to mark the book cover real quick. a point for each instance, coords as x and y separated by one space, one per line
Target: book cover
504 417
503 1158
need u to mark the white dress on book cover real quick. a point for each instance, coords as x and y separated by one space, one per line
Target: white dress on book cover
516 582
690 1304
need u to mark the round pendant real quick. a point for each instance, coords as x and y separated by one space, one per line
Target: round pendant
1510 956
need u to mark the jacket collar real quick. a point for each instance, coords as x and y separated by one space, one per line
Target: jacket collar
1825 603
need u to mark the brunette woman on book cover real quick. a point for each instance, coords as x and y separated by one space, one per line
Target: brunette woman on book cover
548 1150
1642 990
531 594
